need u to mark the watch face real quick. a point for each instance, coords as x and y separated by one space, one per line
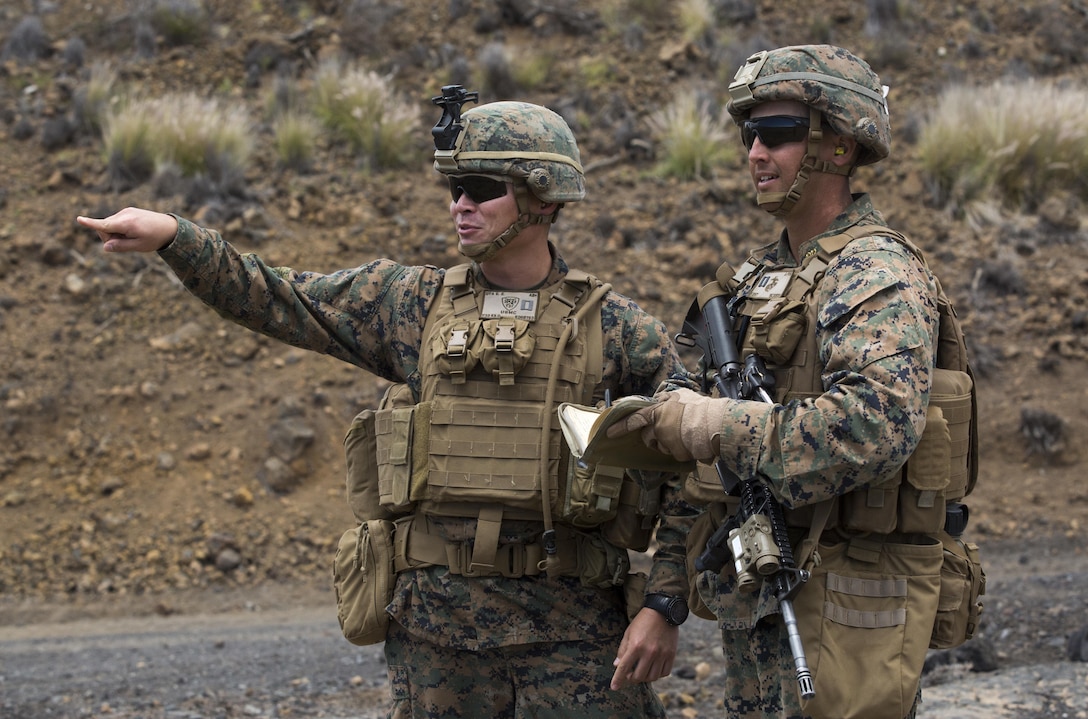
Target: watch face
674 609
678 611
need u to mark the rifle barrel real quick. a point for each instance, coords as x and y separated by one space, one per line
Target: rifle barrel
804 676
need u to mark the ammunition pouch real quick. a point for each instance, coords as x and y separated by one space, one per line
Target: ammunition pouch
500 346
633 525
777 329
606 497
365 485
936 473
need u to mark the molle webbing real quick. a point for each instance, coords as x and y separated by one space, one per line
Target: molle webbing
485 440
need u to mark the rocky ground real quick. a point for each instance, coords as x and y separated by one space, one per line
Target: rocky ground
158 463
276 651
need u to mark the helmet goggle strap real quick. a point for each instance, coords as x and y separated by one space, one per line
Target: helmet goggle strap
483 253
783 202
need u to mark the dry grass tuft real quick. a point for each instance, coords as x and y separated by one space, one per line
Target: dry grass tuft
692 139
1016 141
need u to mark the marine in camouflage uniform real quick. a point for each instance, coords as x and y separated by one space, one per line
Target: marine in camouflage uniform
482 646
809 115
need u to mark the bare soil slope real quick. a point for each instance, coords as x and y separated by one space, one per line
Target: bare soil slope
154 457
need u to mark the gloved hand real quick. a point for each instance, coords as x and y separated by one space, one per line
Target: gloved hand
685 424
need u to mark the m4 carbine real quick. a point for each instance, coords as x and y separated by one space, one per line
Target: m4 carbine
756 535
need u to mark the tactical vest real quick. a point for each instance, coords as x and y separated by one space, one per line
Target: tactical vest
483 441
780 314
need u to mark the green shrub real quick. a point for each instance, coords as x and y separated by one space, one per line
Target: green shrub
1012 141
531 68
494 75
692 140
92 100
296 136
596 72
205 136
129 144
180 22
361 107
696 19
199 136
503 75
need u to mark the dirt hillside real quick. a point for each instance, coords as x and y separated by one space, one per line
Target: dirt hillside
148 448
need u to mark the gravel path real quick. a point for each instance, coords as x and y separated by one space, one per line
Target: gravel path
291 661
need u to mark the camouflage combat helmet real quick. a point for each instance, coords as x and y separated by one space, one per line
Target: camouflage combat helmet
840 91
527 145
841 86
520 141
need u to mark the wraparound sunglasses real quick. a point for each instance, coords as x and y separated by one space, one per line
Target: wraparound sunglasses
773 130
479 188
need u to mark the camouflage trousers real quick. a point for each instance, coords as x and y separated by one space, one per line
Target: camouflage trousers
543 681
761 678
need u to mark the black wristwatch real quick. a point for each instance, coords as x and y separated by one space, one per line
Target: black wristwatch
674 609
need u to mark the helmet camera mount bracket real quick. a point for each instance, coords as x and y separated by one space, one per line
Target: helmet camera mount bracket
741 87
449 129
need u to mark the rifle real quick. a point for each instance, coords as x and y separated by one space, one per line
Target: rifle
755 536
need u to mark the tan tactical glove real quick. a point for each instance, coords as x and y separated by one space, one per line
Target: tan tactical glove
685 424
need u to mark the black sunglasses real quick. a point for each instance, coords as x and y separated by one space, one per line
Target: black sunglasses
773 130
478 187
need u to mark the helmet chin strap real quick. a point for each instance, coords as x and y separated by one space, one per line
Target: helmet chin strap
779 204
483 253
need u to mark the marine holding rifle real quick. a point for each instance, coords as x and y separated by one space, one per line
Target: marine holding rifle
512 595
833 384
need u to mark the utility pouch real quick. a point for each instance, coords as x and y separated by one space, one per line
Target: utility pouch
361 455
363 579
702 486
601 565
394 439
700 533
963 581
360 451
508 344
593 494
872 508
636 516
951 393
777 328
867 611
921 494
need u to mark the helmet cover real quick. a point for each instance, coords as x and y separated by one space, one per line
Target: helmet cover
519 140
829 79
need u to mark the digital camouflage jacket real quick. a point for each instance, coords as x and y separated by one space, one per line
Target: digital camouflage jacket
876 335
373 317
